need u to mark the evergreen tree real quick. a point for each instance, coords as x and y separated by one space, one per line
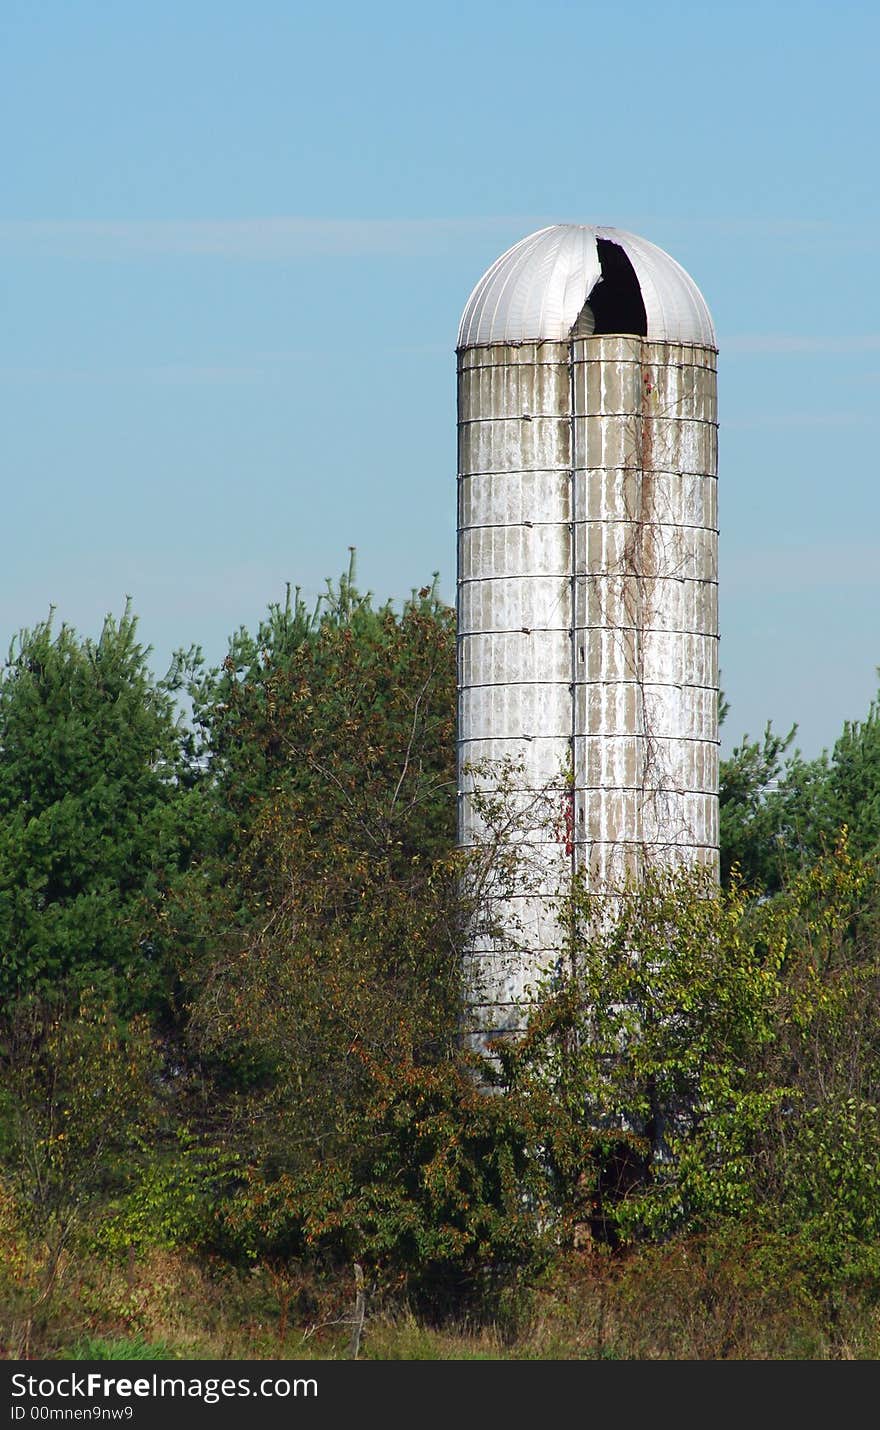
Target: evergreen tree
92 780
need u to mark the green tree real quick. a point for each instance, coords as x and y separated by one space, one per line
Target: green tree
780 812
325 1009
93 780
329 907
817 798
652 1036
438 1193
346 711
78 1103
751 838
712 1065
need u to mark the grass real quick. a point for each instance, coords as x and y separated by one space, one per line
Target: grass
686 1301
118 1348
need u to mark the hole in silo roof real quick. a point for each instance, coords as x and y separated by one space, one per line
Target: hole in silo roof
615 304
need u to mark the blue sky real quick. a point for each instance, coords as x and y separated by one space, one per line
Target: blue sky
236 239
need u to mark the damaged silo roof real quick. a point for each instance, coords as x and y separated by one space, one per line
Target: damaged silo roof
539 287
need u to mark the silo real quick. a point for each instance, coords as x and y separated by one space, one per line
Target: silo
587 586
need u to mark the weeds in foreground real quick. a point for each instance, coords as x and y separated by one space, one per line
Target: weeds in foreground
693 1300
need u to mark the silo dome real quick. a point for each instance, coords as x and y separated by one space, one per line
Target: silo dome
598 280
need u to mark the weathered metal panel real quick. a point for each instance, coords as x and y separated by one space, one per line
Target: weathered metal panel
489 659
619 763
492 551
512 498
645 563
614 494
675 307
538 753
514 625
623 602
625 654
505 711
534 604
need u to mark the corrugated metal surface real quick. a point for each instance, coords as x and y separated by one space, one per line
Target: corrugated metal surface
537 289
534 290
676 309
514 643
587 597
645 565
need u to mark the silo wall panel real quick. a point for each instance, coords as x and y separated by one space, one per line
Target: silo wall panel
618 441
514 444
677 552
488 659
648 655
621 603
512 498
514 651
632 707
538 605
645 596
508 711
618 763
608 867
674 498
493 552
664 817
539 844
536 757
492 384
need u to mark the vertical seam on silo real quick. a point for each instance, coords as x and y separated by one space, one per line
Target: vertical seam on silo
571 794
459 736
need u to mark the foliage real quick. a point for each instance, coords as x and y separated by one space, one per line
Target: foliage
777 816
704 1298
231 958
438 1194
720 1059
287 1022
119 1348
334 778
92 781
171 1199
749 826
328 942
647 1042
77 1107
346 713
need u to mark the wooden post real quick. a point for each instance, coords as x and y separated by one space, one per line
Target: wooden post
360 1304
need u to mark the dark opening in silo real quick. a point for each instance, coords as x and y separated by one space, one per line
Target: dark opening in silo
615 304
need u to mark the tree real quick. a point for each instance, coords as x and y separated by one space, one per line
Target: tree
749 813
77 1099
711 1066
345 711
93 779
330 940
779 815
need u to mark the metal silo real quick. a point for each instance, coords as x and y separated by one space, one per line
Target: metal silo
587 583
